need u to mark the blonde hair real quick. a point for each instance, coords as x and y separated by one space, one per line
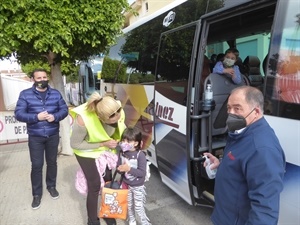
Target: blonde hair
104 107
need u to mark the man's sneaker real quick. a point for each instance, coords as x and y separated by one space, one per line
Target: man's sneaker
53 192
36 202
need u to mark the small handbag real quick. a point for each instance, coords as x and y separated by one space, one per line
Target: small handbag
114 202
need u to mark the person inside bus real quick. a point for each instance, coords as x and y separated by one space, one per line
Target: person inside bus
239 62
228 67
213 61
97 129
220 57
249 177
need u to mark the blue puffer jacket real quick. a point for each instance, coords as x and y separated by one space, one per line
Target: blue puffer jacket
30 103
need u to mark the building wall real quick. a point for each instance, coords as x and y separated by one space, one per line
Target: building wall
144 8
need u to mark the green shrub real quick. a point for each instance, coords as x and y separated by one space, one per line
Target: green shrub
110 68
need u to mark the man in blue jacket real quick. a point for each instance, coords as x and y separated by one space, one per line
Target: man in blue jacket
250 175
41 108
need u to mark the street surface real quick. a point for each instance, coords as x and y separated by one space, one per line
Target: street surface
163 206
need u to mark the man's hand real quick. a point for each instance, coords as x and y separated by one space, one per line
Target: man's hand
42 115
213 160
50 118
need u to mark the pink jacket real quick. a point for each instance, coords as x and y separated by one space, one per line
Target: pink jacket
106 159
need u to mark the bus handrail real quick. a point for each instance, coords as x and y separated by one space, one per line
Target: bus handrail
200 116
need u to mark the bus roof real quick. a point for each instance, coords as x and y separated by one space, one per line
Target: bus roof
228 4
153 15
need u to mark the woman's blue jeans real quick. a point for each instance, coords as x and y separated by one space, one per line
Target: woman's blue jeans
40 148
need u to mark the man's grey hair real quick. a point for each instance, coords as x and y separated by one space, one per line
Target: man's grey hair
254 97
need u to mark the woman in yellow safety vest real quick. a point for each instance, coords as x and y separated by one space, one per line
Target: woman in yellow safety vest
97 128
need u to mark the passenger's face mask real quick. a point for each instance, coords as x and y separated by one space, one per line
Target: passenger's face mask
125 146
41 84
228 62
236 122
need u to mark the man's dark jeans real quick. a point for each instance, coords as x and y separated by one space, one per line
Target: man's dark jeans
38 147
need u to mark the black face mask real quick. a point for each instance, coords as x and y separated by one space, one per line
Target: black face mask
41 84
236 122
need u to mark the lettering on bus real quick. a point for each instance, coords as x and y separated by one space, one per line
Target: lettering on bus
165 114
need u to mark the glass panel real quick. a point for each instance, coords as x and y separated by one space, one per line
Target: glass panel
283 83
174 64
133 58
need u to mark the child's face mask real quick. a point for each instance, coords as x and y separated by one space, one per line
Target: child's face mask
125 146
228 62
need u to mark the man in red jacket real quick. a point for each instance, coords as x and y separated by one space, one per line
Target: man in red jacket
41 108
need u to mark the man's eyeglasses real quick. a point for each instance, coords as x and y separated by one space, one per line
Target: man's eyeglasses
113 114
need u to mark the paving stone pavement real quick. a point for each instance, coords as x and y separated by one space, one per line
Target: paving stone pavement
16 198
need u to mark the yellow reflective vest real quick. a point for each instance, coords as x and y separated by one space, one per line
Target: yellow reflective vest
96 131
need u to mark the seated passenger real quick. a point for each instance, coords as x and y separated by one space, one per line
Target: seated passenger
228 67
220 57
213 60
